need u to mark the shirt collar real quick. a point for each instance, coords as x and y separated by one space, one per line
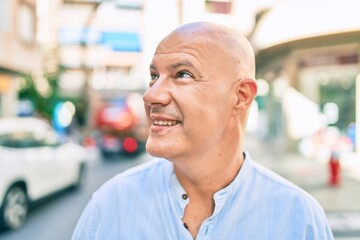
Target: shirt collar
221 196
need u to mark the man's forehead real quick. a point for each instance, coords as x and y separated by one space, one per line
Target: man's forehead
213 44
191 34
187 43
174 60
202 39
187 46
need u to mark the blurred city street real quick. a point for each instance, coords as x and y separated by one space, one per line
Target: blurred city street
81 68
341 203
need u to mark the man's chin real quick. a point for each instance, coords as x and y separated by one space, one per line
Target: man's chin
157 150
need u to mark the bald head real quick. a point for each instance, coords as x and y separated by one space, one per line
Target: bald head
222 45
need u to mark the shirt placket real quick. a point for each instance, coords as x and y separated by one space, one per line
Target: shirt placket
207 227
181 201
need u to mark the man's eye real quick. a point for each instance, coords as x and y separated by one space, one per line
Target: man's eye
154 77
184 75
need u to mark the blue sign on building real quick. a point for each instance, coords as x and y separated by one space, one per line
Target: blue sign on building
122 41
117 41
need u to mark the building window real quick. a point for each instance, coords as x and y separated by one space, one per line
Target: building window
218 6
25 23
4 15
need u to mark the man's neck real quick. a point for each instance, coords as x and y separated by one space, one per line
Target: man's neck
201 184
204 178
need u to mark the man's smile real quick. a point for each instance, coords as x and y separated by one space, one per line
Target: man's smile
165 122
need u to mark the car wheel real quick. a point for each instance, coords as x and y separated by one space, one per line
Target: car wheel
15 208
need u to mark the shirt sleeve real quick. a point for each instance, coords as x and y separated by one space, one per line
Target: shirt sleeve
86 226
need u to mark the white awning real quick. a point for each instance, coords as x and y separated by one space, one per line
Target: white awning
291 20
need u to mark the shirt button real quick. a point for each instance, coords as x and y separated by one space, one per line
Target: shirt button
184 196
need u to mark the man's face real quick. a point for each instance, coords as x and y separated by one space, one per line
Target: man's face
188 102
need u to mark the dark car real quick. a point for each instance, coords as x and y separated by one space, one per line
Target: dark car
122 127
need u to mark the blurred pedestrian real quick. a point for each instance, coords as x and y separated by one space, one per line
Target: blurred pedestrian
202 184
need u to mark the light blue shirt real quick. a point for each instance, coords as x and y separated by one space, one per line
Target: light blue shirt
146 202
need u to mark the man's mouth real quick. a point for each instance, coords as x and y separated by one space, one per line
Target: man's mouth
165 122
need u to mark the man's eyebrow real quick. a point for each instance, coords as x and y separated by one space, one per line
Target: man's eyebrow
180 64
153 67
177 65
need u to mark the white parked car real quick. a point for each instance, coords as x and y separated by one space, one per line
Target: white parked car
34 162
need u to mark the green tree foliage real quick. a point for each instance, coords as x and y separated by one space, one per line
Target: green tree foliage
44 92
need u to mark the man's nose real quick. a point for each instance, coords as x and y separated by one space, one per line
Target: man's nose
158 93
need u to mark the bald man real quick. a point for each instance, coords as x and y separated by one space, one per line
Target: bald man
201 183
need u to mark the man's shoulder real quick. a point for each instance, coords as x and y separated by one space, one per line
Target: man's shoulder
284 201
281 189
271 177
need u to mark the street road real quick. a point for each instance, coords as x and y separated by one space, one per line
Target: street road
56 217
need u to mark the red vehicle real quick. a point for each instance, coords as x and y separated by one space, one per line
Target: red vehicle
122 128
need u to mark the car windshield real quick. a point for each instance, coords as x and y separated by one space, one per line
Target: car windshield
25 139
16 140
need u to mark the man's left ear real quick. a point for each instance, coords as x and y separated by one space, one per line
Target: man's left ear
246 90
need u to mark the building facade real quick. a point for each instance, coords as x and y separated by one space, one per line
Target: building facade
19 52
318 56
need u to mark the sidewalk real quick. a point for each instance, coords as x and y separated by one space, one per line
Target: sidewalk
341 204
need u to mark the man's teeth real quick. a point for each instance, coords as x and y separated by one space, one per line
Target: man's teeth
165 123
